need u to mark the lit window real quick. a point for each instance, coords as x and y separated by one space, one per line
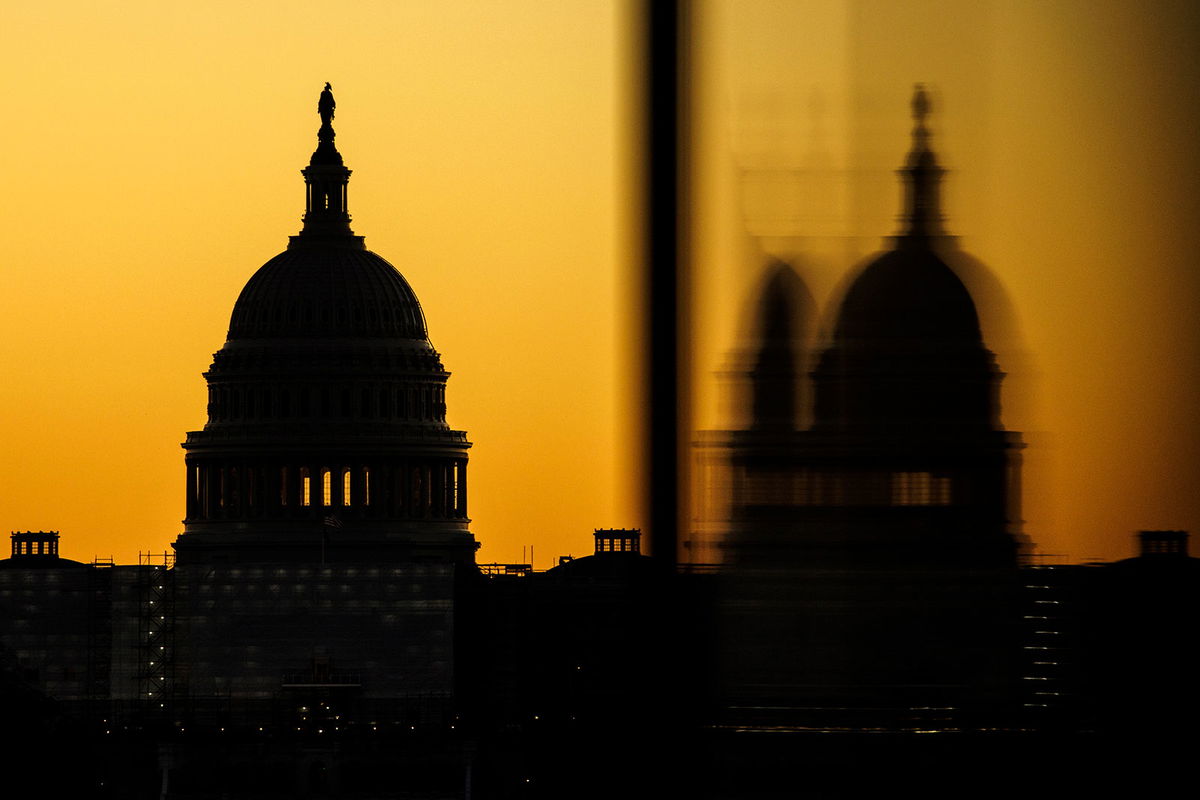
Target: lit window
920 489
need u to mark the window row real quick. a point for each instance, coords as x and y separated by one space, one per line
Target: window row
815 488
34 547
617 546
421 402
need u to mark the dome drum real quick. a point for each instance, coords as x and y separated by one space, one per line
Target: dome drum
238 403
400 358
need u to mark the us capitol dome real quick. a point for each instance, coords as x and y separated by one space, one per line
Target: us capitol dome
327 434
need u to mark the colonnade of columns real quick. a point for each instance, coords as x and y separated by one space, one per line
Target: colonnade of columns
412 488
322 194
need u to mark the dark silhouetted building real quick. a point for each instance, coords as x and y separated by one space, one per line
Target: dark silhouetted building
1136 645
326 495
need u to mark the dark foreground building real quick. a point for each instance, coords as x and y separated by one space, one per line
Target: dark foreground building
326 539
326 496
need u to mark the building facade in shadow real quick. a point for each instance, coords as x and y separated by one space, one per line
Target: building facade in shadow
326 495
326 537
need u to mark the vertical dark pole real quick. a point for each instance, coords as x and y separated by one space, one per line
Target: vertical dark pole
665 229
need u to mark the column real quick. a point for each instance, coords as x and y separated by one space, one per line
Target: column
317 487
462 488
191 490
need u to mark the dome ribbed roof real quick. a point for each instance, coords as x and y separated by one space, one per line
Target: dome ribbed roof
327 290
908 294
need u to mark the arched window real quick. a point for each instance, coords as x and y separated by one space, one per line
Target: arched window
345 486
326 487
305 487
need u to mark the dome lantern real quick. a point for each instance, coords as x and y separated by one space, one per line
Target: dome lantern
922 176
326 210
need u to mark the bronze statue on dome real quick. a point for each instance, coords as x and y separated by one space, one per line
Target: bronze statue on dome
326 105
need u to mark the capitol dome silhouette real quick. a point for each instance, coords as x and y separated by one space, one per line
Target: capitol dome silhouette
327 407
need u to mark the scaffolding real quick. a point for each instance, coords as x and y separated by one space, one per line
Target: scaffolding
494 569
99 634
156 625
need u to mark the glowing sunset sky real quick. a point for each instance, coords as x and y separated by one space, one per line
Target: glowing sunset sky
151 155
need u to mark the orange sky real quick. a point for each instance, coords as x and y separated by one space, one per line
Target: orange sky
152 155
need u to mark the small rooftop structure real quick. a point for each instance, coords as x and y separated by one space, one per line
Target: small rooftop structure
35 544
618 540
1157 544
